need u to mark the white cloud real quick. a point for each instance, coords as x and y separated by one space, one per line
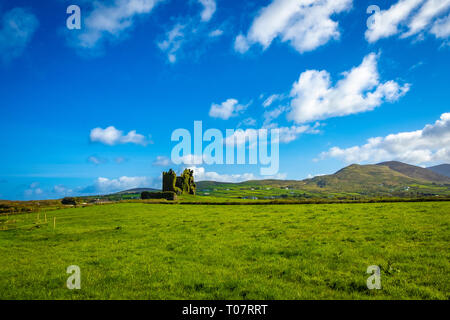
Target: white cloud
61 190
441 28
305 24
105 185
18 27
289 134
191 159
248 122
271 115
227 109
209 8
33 190
200 174
387 21
111 136
162 161
110 21
406 17
426 14
216 33
173 41
241 44
189 31
96 160
360 90
240 137
310 176
286 134
271 99
430 144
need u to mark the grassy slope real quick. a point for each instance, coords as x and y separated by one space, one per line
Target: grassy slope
142 251
360 180
416 172
443 169
358 177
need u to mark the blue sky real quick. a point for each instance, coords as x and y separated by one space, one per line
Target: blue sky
340 92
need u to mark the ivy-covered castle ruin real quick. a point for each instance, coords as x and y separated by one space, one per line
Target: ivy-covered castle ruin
183 184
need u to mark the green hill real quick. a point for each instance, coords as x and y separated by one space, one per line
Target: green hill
442 169
386 179
356 177
415 172
138 190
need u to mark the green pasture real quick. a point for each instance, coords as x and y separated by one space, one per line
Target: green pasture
157 251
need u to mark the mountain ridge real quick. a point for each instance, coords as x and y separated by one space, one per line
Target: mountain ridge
415 171
379 178
442 169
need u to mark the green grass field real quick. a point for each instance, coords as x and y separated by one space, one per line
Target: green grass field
155 251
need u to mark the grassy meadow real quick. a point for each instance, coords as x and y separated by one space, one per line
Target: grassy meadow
157 251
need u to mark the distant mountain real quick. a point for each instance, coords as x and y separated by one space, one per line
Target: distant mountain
381 179
138 190
415 172
361 177
349 179
210 184
443 169
272 182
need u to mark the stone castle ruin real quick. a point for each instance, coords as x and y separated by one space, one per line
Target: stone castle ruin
183 184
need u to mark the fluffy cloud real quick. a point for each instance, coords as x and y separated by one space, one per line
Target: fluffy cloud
105 185
209 7
162 161
62 191
286 134
441 28
360 90
271 115
190 32
173 41
216 33
18 27
33 190
289 134
200 174
430 144
426 14
305 24
240 137
111 136
227 109
406 17
109 21
191 159
248 122
241 44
